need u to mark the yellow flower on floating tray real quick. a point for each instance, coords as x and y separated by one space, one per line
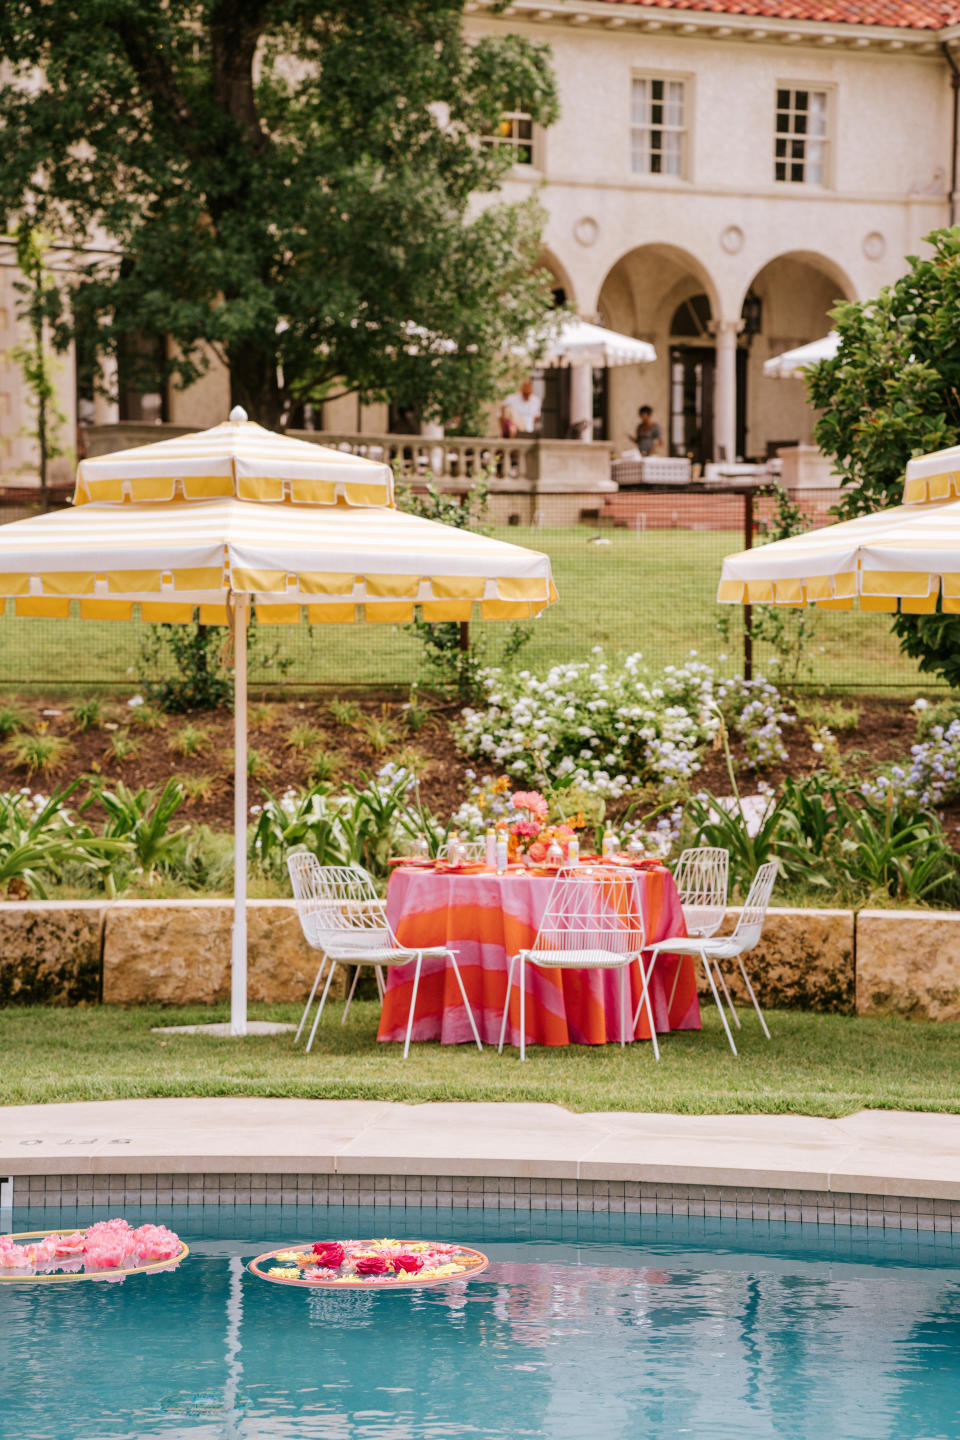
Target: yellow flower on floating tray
293 1255
285 1272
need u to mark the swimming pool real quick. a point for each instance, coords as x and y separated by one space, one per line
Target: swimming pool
585 1327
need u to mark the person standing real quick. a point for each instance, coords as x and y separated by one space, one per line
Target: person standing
648 436
520 413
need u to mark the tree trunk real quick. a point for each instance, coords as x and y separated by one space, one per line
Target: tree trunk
254 385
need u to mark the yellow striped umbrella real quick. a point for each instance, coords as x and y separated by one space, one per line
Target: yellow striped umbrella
906 558
235 514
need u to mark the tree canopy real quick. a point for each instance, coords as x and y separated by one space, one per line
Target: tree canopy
893 392
302 187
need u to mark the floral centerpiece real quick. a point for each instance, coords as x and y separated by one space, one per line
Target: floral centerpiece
523 815
109 1249
382 1263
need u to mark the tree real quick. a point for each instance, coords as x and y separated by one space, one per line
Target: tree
293 185
38 305
892 392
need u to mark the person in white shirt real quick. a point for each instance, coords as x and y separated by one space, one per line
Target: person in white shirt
520 413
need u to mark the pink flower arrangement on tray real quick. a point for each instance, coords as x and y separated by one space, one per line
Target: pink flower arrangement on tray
382 1263
108 1249
531 832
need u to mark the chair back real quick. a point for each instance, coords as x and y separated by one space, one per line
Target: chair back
338 905
749 925
592 908
473 851
701 878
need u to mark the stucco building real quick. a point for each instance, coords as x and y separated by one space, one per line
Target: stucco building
722 173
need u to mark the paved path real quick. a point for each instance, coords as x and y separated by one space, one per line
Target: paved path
878 1152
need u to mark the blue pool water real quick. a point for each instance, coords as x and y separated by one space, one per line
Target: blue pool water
584 1328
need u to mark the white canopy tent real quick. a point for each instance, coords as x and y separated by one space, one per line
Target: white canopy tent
579 343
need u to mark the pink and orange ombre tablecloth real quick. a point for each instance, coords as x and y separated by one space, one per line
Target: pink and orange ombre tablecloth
486 918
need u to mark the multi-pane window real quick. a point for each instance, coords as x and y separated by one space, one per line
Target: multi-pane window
515 130
800 154
657 126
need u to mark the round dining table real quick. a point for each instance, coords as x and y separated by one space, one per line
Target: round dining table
485 918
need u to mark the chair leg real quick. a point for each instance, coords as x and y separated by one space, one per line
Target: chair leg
523 1028
746 981
645 975
323 1001
413 1004
466 1002
673 987
720 976
346 1008
381 986
506 1004
716 998
306 1008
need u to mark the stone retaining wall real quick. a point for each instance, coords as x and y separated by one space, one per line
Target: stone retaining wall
177 952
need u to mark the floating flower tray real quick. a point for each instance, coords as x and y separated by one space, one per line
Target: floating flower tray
108 1250
369 1264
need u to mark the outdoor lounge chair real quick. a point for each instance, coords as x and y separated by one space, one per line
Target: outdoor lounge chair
749 928
342 915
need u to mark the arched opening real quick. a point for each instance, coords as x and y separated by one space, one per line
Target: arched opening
787 303
663 294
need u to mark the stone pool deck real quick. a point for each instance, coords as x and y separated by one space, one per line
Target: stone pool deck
875 1167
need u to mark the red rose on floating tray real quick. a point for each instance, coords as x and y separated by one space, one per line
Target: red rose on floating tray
329 1254
371 1265
410 1263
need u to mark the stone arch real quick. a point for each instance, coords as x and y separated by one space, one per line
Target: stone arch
791 296
548 261
640 296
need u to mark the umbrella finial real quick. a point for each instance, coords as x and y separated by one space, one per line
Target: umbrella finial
238 414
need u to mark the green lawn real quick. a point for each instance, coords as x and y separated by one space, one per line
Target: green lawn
653 592
814 1065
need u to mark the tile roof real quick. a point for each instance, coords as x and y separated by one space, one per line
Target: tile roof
901 14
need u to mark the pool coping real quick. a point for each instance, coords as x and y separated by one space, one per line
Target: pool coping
875 1167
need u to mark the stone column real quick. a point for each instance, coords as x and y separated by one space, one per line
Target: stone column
431 431
581 399
725 388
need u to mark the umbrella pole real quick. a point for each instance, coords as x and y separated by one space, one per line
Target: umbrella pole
238 957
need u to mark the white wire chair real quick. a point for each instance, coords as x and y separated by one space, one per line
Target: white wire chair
593 921
747 932
701 877
342 915
473 851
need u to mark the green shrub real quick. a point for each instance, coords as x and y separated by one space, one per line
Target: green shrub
37 754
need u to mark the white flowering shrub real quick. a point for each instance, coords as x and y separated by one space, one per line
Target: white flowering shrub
659 838
755 712
610 729
931 778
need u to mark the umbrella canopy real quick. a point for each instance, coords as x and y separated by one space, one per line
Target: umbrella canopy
235 514
904 558
579 343
792 363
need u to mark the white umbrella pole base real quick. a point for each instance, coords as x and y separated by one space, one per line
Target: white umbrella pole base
223 1030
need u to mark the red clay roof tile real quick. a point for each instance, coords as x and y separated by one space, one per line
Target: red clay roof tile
900 14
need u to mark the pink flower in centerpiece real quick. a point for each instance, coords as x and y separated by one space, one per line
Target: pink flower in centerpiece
530 800
410 1263
330 1254
371 1265
525 829
538 852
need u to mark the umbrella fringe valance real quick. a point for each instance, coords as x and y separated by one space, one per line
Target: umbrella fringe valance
880 591
277 611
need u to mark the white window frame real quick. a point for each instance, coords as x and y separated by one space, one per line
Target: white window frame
516 119
794 138
664 128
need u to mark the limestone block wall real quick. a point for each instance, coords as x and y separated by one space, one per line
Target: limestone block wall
50 952
908 963
805 960
177 952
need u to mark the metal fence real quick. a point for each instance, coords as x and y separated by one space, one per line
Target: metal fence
641 576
